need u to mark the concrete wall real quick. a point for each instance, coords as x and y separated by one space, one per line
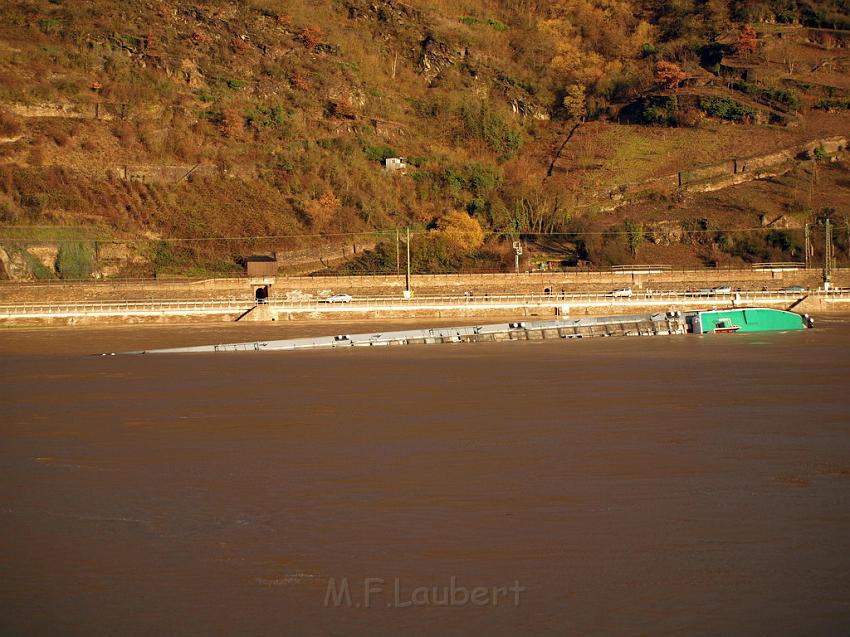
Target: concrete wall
242 288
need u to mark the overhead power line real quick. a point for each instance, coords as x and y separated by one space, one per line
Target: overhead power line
363 233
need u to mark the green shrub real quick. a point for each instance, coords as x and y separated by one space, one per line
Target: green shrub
481 177
453 179
75 260
482 122
634 235
475 178
826 104
379 153
265 116
659 109
783 241
778 97
518 83
50 26
490 22
725 108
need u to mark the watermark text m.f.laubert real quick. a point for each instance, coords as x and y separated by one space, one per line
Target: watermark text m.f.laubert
393 593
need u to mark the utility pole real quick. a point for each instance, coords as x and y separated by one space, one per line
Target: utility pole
398 260
814 178
827 255
517 252
807 245
407 292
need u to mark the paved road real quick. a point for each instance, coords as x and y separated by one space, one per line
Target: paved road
508 302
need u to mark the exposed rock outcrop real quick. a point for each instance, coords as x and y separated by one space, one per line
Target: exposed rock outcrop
14 266
45 254
664 233
435 57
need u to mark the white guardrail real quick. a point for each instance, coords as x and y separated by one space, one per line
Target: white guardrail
225 306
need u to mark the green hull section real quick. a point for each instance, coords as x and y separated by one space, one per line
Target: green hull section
744 321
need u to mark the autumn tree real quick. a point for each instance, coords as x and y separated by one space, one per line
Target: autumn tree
747 43
669 74
462 232
575 102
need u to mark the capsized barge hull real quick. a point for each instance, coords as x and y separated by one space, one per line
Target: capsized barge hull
746 320
662 323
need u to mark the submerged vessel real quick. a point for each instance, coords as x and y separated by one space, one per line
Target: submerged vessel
744 320
657 324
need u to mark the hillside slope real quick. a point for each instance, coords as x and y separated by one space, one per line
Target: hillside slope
169 136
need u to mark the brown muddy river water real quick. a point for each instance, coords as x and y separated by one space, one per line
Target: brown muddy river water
646 486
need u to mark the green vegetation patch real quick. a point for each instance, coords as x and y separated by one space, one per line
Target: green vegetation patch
659 109
496 25
263 116
725 108
780 98
379 153
75 260
833 103
480 121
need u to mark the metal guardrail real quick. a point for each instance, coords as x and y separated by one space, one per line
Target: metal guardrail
785 265
121 307
547 300
388 302
641 268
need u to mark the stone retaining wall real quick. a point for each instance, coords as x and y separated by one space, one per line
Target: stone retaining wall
422 285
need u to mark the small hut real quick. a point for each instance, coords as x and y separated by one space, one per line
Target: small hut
261 266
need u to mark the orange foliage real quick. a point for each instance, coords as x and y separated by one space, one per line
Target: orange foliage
310 36
669 74
199 37
322 209
298 81
747 41
232 123
238 45
344 108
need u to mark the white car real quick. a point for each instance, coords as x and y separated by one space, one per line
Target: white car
622 293
722 289
338 298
